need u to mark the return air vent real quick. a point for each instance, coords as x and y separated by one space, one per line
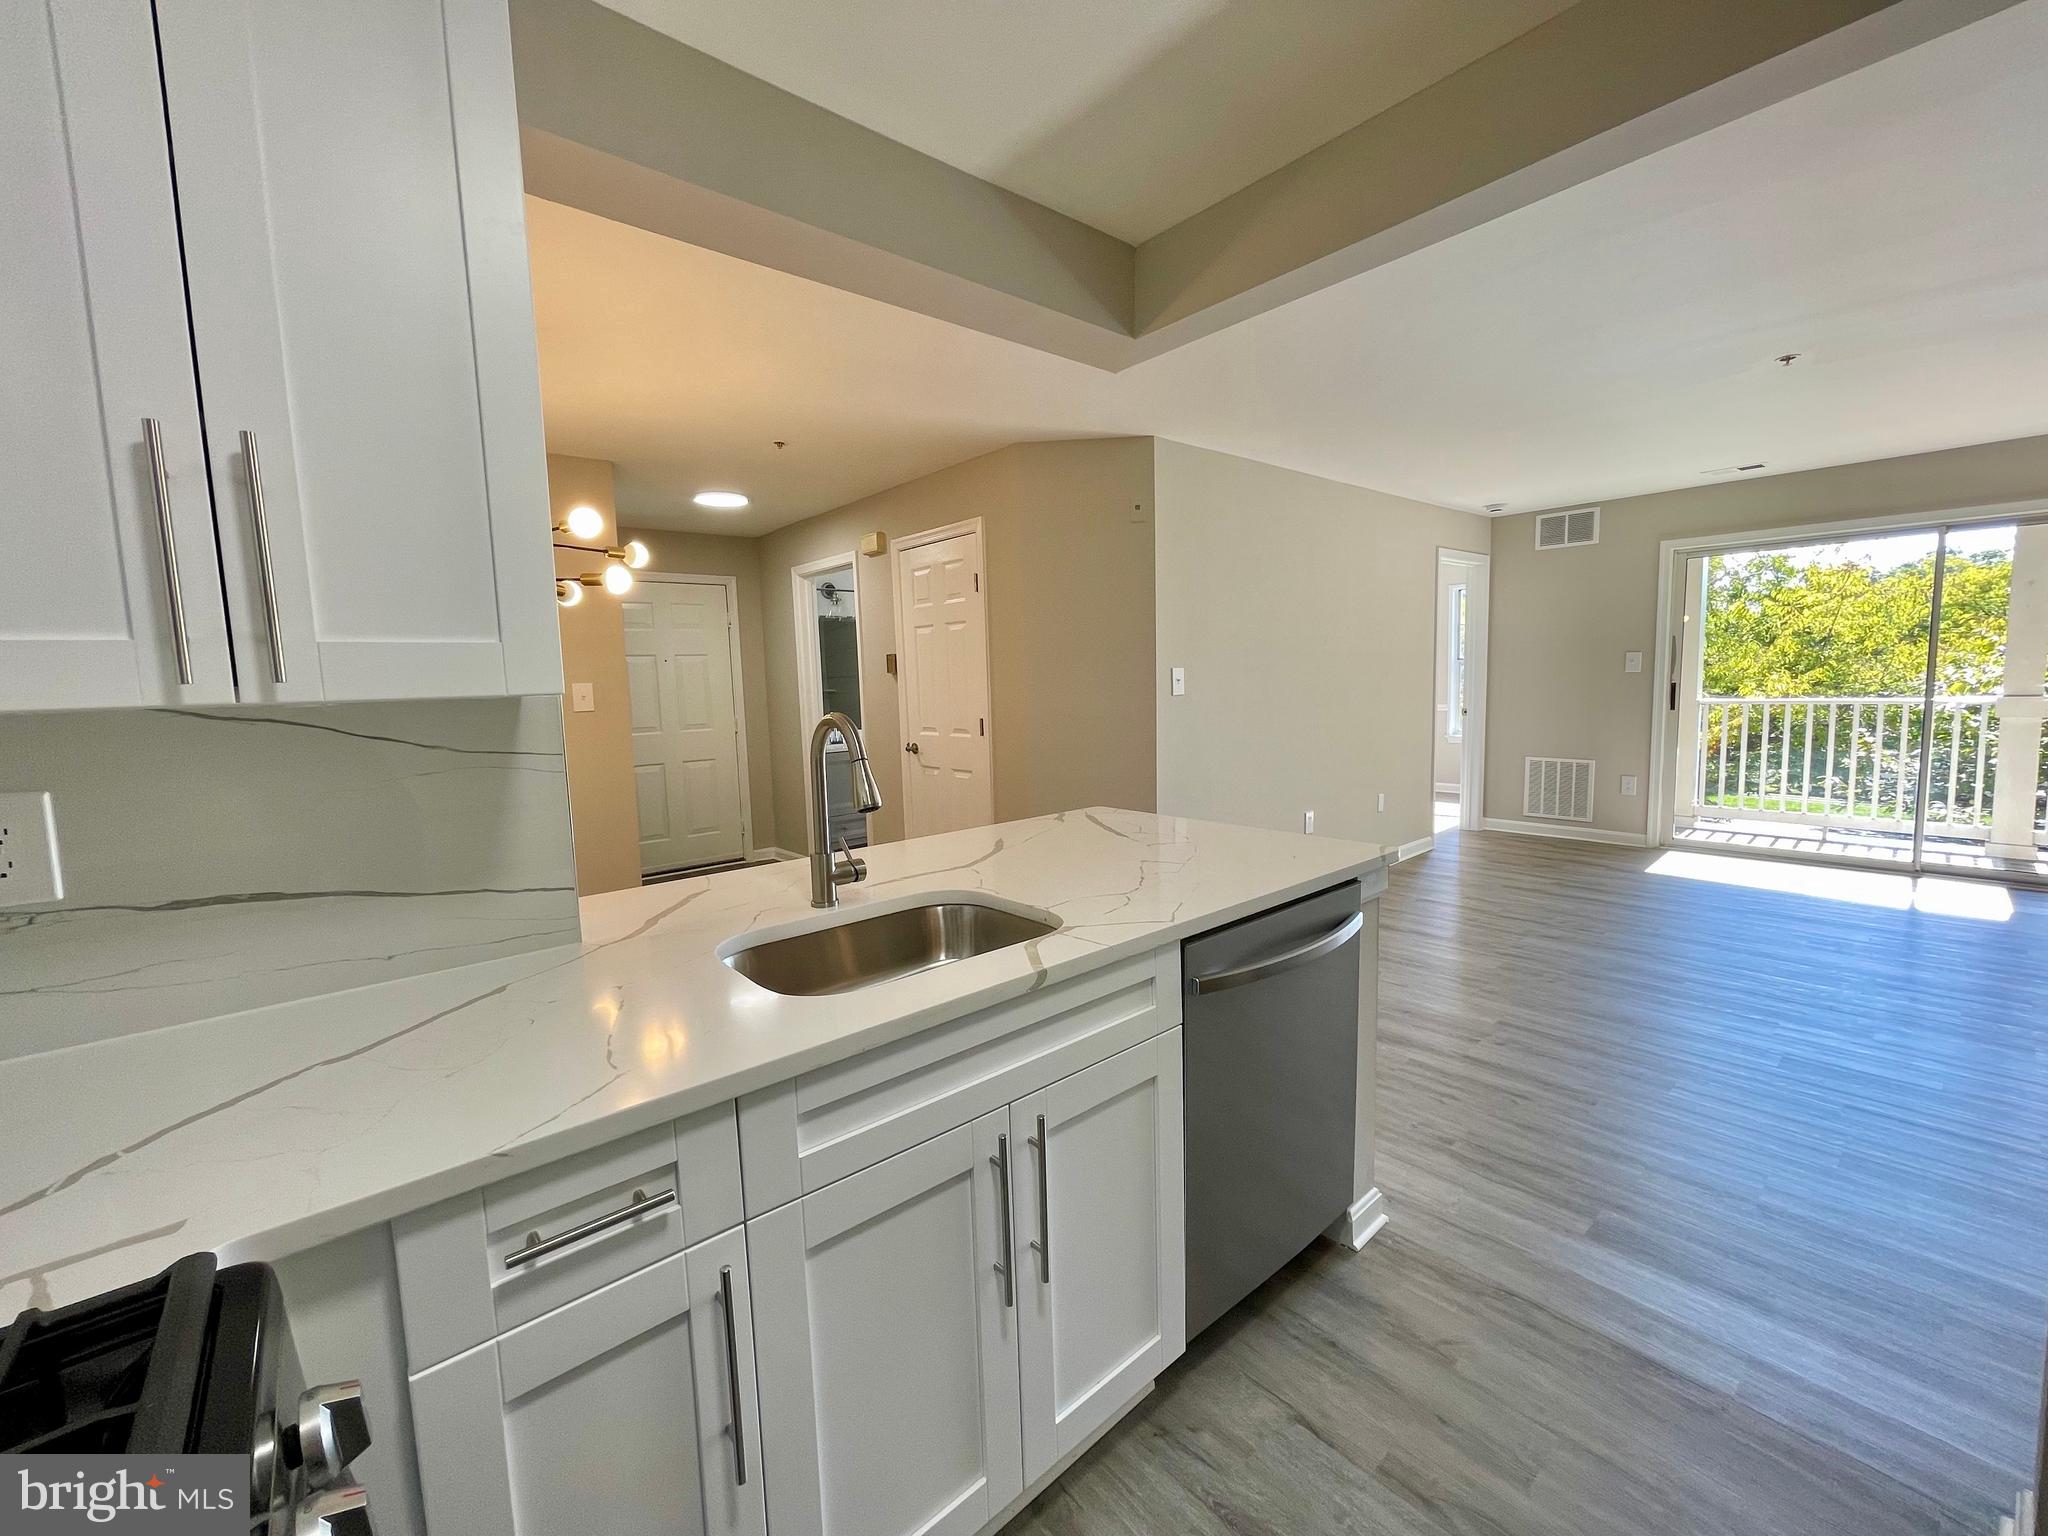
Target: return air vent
1557 788
1561 530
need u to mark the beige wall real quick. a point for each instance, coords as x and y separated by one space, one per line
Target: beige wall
1070 606
595 742
1563 620
1305 614
707 554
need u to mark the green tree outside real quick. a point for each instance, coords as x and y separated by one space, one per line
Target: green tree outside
1831 625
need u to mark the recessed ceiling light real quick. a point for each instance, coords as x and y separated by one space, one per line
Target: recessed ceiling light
723 501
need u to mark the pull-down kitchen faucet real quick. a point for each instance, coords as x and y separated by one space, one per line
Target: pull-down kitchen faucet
826 874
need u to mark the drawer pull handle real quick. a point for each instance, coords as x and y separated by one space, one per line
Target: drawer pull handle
538 1247
732 1360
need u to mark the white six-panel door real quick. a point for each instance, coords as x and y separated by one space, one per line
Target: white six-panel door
348 181
888 1346
684 723
1099 1212
942 638
93 345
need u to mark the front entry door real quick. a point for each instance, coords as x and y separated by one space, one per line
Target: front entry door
686 774
942 637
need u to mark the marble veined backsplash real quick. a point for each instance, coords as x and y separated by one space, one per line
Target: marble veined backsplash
216 860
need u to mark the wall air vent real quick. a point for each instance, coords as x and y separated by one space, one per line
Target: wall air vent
1557 788
1561 530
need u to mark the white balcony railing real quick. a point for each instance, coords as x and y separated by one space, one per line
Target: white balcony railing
1853 763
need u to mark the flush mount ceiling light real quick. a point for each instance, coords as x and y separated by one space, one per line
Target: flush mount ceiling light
720 501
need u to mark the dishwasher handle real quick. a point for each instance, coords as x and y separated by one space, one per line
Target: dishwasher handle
1272 965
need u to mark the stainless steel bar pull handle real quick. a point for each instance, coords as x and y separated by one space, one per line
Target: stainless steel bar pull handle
1044 1243
1272 965
538 1247
1005 1266
252 471
732 1361
160 487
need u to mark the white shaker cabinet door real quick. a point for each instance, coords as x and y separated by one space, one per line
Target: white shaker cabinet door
888 1345
349 186
612 1415
109 593
1102 1258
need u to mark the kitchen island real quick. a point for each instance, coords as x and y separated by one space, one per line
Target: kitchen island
428 1113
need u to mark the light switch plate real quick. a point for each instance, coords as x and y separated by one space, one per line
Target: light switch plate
29 871
1632 661
1308 821
1180 681
581 698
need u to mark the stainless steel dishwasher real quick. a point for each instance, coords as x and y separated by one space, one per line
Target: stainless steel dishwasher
1270 1046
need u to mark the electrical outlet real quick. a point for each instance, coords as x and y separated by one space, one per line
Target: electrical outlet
1180 681
1308 821
1628 784
1631 661
1383 802
29 871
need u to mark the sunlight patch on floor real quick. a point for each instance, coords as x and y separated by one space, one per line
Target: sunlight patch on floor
1870 888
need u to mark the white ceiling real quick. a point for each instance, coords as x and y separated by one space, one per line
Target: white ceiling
1125 114
1615 339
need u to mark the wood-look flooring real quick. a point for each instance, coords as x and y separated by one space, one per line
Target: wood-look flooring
1715 1209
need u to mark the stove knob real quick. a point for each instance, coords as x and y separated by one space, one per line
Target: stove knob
334 1429
334 1512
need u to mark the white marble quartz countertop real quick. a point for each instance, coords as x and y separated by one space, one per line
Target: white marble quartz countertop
263 1133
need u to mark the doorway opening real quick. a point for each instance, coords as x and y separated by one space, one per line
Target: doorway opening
1458 716
1872 695
826 601
684 714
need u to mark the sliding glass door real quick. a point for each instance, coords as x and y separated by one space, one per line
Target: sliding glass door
1874 698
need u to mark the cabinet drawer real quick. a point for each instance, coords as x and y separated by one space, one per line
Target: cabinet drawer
803 1135
479 1264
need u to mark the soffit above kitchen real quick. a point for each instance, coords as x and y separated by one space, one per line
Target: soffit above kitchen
1617 338
634 123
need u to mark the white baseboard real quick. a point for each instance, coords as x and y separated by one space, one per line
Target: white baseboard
1448 791
780 855
1355 1228
1571 833
1409 850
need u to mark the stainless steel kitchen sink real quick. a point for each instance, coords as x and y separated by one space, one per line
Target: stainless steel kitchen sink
880 948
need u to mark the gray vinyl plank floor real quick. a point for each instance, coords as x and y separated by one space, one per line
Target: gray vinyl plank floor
1715 1209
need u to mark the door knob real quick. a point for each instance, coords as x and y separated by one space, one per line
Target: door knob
911 748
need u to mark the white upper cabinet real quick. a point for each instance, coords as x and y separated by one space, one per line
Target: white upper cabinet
336 224
349 186
103 586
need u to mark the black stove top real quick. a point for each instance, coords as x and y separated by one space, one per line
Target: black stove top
196 1360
